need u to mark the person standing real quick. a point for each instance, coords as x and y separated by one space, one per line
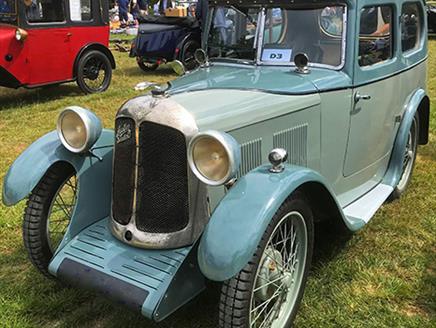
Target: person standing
201 10
123 9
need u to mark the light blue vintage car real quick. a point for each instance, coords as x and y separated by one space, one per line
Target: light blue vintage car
301 112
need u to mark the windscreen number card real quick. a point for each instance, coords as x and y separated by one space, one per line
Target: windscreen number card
277 55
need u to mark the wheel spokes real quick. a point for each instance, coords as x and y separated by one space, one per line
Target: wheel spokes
282 258
61 212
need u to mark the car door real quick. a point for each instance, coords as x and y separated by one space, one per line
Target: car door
373 113
48 42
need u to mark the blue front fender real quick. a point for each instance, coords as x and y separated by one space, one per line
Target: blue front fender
239 221
28 169
94 177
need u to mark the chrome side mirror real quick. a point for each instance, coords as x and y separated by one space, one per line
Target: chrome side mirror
177 67
201 57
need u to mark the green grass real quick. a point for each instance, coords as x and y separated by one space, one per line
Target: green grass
384 276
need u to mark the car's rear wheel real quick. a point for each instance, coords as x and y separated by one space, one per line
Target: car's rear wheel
268 291
48 214
409 159
146 66
187 54
94 72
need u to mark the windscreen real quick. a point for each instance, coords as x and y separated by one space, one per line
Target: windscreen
316 32
8 11
237 33
232 33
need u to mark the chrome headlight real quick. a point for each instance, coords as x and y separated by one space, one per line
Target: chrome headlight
20 34
214 157
78 129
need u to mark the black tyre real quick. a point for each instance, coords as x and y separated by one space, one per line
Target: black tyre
187 54
94 72
48 214
409 159
268 291
146 66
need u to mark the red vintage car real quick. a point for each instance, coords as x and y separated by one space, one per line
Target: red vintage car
55 41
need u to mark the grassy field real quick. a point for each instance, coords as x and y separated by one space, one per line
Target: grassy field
384 276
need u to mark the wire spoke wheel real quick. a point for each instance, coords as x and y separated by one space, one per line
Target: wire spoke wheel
48 214
188 58
279 275
267 292
94 72
61 211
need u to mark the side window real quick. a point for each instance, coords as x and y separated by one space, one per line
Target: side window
410 26
80 10
375 37
45 11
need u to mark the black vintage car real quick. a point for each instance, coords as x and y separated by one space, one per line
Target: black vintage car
164 39
431 12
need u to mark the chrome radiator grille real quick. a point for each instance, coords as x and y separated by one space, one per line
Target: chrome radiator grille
158 202
162 204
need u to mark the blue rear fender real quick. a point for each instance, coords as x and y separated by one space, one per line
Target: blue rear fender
240 219
418 103
94 176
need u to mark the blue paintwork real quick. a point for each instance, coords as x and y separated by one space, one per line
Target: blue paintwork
28 169
400 61
150 270
94 177
280 79
395 171
239 221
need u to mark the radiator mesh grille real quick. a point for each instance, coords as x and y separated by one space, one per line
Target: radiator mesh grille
124 170
162 204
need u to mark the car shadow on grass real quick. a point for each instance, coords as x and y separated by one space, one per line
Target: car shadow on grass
10 99
163 71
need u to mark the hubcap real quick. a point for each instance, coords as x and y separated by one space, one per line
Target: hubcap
280 273
94 73
409 156
61 211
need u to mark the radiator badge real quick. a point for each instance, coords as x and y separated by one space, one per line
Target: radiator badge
124 133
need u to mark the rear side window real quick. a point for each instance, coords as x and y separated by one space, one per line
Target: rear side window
375 37
80 10
45 11
411 22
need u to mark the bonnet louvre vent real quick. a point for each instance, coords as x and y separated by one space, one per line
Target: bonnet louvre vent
294 140
251 156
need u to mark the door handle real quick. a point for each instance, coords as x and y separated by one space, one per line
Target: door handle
69 34
358 97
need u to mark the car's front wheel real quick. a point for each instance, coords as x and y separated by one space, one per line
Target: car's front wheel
268 291
48 214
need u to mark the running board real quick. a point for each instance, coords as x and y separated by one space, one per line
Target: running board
363 209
